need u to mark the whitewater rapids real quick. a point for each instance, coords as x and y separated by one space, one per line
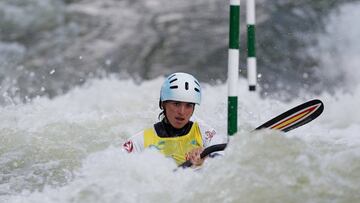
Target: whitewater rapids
67 149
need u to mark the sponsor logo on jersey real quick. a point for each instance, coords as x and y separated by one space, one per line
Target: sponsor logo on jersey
128 146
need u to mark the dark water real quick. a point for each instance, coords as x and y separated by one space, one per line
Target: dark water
48 47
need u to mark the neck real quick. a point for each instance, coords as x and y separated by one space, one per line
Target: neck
174 132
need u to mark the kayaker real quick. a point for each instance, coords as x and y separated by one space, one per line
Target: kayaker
177 135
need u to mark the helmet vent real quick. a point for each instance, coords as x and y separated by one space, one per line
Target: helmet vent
186 85
172 76
173 80
196 82
181 87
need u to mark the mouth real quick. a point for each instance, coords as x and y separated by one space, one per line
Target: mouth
179 119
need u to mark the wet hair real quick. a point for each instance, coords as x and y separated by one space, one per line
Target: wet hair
162 114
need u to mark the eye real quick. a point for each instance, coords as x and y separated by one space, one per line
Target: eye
190 105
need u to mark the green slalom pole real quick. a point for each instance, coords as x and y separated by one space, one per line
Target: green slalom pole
251 60
233 65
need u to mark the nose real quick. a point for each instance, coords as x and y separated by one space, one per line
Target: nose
181 109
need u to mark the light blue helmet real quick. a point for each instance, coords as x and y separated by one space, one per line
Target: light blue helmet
181 87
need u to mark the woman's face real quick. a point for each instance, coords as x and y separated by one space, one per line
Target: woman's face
178 113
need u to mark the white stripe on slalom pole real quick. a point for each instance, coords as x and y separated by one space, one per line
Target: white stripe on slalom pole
250 12
251 61
233 75
235 2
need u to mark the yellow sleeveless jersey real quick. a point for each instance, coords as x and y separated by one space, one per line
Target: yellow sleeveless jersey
175 147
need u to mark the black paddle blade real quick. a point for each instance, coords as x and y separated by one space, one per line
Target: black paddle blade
295 117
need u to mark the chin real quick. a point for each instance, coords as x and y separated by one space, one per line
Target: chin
179 126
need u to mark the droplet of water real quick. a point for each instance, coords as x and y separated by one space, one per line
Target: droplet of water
108 62
305 75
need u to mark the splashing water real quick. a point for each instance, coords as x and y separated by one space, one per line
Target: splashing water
68 150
